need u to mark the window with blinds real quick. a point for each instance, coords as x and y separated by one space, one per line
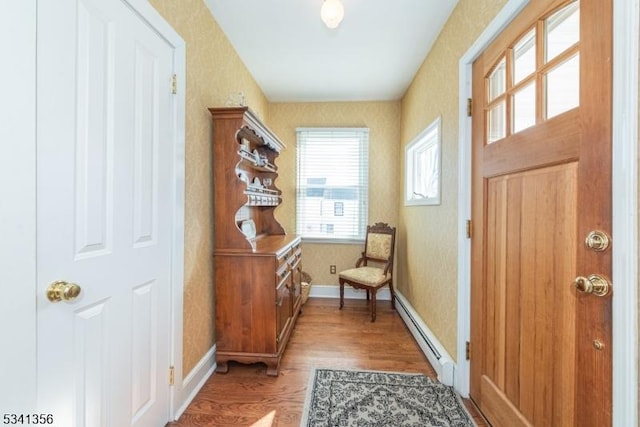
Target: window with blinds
332 187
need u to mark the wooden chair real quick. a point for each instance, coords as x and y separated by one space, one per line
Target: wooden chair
379 246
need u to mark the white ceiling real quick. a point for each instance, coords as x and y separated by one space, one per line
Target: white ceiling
373 54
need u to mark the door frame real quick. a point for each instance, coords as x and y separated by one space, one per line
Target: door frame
625 202
18 212
18 190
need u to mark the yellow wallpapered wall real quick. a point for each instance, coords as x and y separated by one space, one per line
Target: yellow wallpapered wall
427 253
383 121
214 71
426 269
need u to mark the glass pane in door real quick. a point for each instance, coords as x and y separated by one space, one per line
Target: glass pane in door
524 107
563 87
497 81
497 123
524 56
562 30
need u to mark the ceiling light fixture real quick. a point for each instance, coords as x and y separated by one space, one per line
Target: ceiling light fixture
332 12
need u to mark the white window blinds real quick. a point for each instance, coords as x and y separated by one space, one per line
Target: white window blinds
332 188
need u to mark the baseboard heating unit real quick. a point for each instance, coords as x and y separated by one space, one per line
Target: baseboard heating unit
431 347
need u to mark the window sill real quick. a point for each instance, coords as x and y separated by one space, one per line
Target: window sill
324 241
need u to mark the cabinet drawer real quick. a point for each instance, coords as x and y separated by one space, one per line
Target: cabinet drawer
281 273
289 256
282 260
296 256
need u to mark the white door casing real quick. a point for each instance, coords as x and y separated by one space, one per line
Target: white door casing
108 166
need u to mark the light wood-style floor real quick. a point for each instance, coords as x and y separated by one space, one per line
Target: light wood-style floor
324 336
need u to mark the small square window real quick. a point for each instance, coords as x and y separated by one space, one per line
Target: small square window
422 167
338 209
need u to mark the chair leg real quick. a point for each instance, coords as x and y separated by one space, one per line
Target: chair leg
373 305
341 294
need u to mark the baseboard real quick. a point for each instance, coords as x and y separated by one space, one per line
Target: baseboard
196 379
431 347
333 291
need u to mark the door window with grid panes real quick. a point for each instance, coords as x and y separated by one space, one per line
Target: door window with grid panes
537 78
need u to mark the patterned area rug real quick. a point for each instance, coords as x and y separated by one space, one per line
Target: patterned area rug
383 399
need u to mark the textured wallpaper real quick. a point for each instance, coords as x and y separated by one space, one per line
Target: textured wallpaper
426 243
214 71
383 121
427 253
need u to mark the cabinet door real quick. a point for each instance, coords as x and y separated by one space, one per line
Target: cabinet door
295 265
283 306
296 286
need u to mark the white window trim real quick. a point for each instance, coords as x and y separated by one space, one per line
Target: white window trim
429 137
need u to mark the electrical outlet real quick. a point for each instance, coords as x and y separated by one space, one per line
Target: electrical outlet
332 269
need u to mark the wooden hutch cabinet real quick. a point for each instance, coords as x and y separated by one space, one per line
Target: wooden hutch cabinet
257 266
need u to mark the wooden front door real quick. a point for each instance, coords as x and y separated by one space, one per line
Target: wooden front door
541 347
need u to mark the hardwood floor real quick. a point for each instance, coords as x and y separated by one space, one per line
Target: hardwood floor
323 337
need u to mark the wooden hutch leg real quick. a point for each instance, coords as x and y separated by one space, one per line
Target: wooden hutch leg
222 367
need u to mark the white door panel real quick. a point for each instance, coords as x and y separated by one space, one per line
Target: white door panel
90 365
94 133
104 156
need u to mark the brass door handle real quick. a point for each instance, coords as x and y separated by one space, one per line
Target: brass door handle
63 291
594 284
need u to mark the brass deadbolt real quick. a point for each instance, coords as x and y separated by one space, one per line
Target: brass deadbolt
597 240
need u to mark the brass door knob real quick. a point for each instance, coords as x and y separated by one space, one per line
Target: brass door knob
61 290
594 284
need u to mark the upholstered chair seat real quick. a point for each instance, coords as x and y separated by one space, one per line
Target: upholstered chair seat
371 276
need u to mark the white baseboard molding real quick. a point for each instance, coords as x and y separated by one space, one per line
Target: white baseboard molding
333 291
193 382
431 347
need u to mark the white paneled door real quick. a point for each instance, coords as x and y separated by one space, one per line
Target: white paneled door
104 215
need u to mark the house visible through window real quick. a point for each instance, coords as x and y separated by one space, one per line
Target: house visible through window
332 187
